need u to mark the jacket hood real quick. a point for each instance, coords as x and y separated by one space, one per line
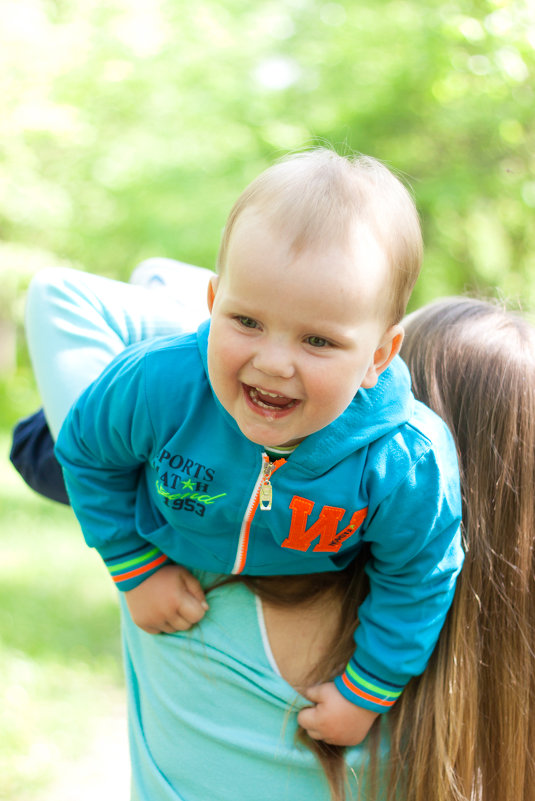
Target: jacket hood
371 414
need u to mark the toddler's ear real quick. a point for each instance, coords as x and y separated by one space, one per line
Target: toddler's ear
389 347
212 289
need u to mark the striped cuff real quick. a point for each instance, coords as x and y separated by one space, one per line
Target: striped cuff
130 569
364 689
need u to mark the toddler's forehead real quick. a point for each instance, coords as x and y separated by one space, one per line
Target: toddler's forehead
338 270
298 234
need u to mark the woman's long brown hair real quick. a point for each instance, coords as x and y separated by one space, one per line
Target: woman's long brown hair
465 729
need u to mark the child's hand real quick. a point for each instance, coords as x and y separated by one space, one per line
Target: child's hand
334 719
169 600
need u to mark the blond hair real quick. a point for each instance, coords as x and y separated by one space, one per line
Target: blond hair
317 196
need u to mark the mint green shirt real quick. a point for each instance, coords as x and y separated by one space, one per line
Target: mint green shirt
210 717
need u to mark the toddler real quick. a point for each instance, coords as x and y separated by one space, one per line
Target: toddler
282 437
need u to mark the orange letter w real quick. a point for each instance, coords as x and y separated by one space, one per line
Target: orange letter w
300 538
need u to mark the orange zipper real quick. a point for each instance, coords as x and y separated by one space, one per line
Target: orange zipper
261 496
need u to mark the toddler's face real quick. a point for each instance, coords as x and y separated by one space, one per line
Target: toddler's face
293 337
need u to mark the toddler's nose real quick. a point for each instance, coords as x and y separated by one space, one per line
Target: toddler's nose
274 360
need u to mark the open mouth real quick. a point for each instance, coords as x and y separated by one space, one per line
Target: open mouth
269 400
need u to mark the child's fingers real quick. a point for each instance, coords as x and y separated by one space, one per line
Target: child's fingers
166 625
194 587
315 693
189 610
189 605
308 719
312 718
177 623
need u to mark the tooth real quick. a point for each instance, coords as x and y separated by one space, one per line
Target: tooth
269 394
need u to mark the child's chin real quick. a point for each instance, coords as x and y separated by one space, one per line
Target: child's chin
265 439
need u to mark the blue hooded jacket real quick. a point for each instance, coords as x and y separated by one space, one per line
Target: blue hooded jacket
157 470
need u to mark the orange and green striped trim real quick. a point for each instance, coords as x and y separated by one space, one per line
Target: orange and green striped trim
129 570
365 689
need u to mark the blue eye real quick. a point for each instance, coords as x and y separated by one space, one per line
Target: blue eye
317 342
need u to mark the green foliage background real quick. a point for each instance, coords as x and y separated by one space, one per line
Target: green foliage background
128 128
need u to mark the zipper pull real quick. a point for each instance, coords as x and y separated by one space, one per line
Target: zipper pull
266 494
266 490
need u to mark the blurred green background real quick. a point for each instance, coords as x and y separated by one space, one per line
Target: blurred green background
128 128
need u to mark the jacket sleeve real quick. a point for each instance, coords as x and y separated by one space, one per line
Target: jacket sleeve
416 555
102 446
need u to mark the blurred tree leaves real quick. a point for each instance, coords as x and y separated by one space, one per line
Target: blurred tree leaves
128 128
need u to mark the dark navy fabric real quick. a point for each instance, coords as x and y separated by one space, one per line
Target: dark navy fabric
32 454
